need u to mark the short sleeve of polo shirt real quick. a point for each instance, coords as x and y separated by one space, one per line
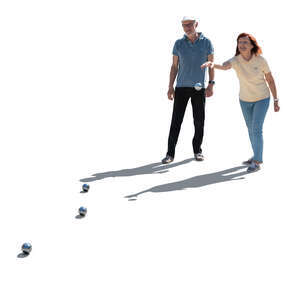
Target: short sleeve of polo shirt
264 65
175 49
210 48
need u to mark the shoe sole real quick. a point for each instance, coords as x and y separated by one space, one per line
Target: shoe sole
252 171
199 159
166 162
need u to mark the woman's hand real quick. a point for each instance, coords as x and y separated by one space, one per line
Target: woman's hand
208 64
276 106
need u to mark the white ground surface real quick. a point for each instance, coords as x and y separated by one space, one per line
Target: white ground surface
83 99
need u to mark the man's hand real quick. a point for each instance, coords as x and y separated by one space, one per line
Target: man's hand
209 90
171 93
276 106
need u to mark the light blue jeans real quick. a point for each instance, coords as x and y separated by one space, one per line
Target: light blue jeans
254 115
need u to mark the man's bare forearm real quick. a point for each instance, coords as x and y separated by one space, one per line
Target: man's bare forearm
173 74
211 74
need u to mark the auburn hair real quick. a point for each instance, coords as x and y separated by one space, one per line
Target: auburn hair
256 48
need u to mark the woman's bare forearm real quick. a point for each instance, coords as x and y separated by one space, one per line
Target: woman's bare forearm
273 89
209 64
271 83
225 66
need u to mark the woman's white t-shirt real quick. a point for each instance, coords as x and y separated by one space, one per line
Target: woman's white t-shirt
251 74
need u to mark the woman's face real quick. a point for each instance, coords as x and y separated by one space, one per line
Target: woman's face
244 45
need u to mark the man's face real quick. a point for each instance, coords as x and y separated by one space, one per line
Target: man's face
189 27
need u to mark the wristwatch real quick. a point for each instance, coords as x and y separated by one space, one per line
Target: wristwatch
276 100
211 82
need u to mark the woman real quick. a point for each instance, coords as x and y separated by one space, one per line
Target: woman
253 72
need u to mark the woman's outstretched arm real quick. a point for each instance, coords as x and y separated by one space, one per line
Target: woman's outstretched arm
226 65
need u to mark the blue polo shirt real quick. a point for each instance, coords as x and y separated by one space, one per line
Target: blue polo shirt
191 57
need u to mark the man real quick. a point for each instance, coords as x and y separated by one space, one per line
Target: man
189 53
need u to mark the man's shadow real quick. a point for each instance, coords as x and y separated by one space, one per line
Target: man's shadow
195 182
154 168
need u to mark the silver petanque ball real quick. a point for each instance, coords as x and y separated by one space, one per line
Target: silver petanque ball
82 211
26 248
85 187
198 86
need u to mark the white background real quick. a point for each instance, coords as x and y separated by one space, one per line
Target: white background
83 91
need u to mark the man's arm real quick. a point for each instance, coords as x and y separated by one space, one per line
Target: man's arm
173 74
211 74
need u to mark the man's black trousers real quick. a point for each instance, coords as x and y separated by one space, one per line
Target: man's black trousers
182 96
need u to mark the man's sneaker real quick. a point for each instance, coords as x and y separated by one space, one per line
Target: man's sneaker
248 162
168 159
199 156
253 167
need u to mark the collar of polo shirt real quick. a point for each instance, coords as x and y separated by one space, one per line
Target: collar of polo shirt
200 36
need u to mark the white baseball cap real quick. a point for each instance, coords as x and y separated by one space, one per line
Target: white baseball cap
188 18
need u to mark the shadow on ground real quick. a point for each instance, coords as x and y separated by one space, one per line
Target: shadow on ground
154 168
22 255
79 217
195 182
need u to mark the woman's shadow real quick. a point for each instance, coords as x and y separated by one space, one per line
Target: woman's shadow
154 168
195 182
